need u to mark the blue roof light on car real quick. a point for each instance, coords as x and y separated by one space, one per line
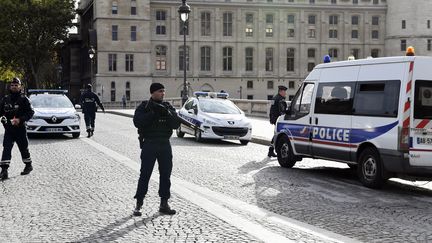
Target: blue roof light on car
47 91
211 94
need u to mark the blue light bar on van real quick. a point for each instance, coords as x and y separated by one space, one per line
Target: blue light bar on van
211 94
47 91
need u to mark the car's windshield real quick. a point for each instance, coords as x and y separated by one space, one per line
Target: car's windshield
50 101
218 106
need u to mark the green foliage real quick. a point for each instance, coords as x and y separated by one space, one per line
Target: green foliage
29 33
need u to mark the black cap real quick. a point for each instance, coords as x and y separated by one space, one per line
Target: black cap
281 87
16 80
156 86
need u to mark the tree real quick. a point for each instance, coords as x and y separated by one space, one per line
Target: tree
30 30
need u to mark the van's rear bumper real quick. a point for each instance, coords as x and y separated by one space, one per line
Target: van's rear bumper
398 162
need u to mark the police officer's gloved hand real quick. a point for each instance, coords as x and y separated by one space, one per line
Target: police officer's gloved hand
3 119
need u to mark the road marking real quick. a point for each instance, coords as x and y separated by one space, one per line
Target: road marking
214 202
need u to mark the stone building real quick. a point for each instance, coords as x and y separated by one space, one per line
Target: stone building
245 47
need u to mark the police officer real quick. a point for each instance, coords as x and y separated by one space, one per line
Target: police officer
88 102
277 108
15 110
155 120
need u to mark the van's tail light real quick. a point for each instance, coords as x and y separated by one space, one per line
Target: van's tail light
404 139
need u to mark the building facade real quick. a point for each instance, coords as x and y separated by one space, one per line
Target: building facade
244 47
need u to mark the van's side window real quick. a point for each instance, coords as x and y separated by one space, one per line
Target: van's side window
302 101
334 98
423 99
377 98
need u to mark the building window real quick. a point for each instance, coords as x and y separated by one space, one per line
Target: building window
333 34
355 1
182 25
129 62
375 2
205 24
114 7
333 52
354 34
290 59
249 59
133 33
291 84
133 7
311 66
250 97
354 20
375 34
181 58
227 24
269 59
128 92
161 15
311 1
249 18
375 53
291 19
114 32
227 58
160 22
311 19
291 33
205 58
269 97
249 84
112 62
311 33
429 44
375 20
355 53
403 44
428 24
160 29
113 91
270 84
269 18
333 19
311 53
161 52
249 32
403 24
269 32
333 2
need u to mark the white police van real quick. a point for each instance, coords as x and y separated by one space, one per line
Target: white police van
373 114
216 117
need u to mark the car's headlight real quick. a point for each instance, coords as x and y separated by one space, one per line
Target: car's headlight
209 122
75 117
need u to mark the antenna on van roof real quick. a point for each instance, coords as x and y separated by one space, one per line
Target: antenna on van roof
410 51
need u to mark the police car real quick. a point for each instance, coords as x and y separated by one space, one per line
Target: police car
216 116
54 113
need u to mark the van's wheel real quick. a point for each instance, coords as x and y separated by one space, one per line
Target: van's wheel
244 142
75 135
370 168
179 133
198 137
285 154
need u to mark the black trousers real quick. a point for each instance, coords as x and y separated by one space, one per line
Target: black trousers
150 152
12 135
89 118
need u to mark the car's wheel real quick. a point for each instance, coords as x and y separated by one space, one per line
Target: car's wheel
179 133
370 169
75 134
198 137
244 142
285 154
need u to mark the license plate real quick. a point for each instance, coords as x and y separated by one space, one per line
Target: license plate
424 140
231 137
54 129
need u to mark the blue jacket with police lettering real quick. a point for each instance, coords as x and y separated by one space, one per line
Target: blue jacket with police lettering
16 105
89 101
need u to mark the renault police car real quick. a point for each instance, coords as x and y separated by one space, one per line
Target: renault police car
216 116
54 113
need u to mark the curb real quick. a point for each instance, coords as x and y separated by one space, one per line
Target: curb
255 139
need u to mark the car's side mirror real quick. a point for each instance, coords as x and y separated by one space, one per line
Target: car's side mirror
77 107
191 111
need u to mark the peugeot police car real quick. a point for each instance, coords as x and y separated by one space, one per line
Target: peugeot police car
216 116
373 114
54 113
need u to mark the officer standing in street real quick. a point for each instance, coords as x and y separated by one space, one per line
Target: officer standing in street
155 120
88 102
277 108
15 111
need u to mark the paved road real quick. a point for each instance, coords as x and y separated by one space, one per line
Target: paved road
81 190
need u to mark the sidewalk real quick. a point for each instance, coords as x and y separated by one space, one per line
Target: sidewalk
262 130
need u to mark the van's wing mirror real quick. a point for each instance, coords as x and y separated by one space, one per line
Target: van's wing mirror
77 107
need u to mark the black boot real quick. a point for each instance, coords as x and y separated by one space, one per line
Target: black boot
89 133
164 207
137 210
4 174
27 169
271 152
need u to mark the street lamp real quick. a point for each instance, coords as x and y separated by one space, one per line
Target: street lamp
92 53
184 11
59 69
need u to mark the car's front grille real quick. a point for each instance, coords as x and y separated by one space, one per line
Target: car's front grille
232 131
57 121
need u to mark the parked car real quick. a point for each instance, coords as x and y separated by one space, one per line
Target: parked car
54 113
216 116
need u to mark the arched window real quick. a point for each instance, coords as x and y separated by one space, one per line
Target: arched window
113 91
161 57
128 91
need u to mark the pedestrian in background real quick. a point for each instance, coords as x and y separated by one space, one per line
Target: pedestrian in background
124 101
15 111
89 100
155 120
277 108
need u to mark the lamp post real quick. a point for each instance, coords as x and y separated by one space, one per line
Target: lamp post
59 69
184 11
92 54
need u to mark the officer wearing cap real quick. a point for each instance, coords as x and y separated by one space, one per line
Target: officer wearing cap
277 108
88 101
155 120
15 110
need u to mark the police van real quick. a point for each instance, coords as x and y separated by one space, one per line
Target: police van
373 114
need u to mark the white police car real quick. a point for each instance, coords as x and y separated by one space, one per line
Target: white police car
216 116
54 113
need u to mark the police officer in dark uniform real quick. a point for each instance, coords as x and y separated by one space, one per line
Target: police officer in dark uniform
277 108
88 102
15 110
155 120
